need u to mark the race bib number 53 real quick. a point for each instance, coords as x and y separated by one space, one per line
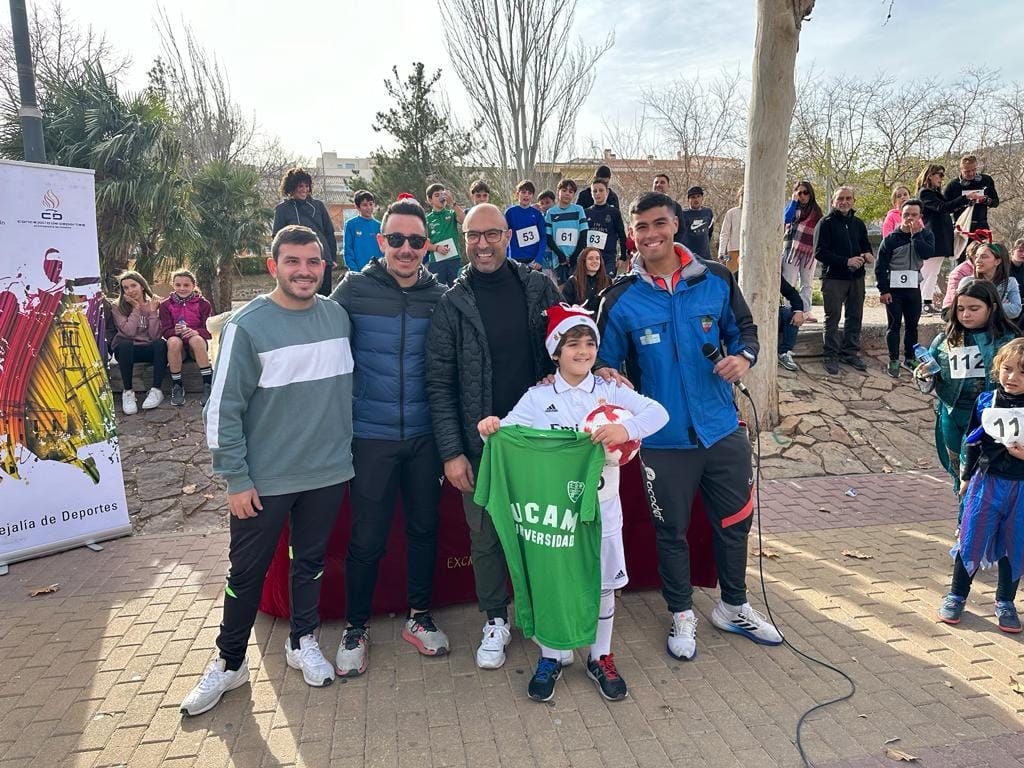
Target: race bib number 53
1004 425
527 237
966 363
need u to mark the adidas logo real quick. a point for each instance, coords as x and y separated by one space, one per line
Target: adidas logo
551 409
620 575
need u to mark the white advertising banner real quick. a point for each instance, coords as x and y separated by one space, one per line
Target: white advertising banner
60 468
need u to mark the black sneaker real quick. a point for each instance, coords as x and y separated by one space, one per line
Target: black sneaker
206 394
609 683
177 394
542 684
855 362
1006 613
893 369
831 365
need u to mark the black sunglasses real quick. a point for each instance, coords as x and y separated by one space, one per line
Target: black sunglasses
397 239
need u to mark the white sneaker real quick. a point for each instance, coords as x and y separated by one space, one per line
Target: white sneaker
353 652
491 653
316 670
153 398
215 682
682 635
744 620
128 404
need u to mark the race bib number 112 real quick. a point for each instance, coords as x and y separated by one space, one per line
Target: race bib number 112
966 363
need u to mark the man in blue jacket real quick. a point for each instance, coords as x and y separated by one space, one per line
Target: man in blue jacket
657 320
390 303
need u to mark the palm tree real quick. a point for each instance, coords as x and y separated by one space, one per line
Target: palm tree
142 201
231 220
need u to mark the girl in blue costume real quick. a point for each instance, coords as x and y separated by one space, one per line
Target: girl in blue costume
977 329
992 487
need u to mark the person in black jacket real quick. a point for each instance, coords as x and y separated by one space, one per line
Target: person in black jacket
938 221
607 231
485 348
901 259
298 207
586 197
590 274
972 187
841 245
390 303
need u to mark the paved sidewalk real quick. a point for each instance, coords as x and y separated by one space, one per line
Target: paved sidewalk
94 673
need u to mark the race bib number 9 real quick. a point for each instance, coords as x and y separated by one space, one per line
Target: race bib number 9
966 363
597 239
904 278
527 237
567 237
1004 425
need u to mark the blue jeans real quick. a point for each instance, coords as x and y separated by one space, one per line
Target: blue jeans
787 331
446 270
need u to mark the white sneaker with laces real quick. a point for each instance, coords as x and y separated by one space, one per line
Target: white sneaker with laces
128 403
744 620
153 398
682 635
491 653
353 652
316 670
215 682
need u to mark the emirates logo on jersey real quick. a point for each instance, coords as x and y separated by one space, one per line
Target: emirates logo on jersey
575 489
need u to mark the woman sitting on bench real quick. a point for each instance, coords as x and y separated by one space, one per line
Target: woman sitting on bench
136 317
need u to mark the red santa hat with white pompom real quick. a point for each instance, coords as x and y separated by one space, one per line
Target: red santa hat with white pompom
561 318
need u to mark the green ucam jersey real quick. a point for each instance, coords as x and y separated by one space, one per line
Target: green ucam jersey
540 488
443 229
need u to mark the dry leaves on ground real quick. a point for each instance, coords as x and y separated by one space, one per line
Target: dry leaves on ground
44 590
771 554
857 555
895 754
1016 686
190 488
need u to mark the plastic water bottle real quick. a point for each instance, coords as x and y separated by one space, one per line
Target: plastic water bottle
926 359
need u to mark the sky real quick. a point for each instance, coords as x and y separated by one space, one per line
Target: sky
312 73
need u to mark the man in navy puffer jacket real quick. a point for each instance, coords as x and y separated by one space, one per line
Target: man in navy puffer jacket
390 303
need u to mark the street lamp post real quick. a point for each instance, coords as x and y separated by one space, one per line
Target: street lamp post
323 173
29 115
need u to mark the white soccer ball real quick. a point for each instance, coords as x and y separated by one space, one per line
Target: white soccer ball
615 455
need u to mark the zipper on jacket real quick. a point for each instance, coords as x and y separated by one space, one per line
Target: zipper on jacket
401 371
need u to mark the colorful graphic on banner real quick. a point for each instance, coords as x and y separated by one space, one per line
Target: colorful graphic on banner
60 467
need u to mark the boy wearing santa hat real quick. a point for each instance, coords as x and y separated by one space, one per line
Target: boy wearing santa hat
572 341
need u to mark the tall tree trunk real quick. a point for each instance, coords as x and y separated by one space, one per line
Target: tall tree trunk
772 97
206 280
225 283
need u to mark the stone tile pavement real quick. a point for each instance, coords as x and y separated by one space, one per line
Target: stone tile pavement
92 675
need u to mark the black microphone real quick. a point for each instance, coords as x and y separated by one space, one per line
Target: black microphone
714 354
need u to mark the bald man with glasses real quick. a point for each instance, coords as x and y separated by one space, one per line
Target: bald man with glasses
485 348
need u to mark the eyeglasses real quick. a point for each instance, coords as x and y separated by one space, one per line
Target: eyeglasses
397 239
803 192
491 236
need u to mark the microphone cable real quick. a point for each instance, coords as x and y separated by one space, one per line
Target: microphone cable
764 595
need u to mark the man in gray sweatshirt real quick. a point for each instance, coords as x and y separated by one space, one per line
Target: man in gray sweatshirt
279 426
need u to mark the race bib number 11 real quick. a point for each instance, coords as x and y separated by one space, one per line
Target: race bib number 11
966 363
1004 425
